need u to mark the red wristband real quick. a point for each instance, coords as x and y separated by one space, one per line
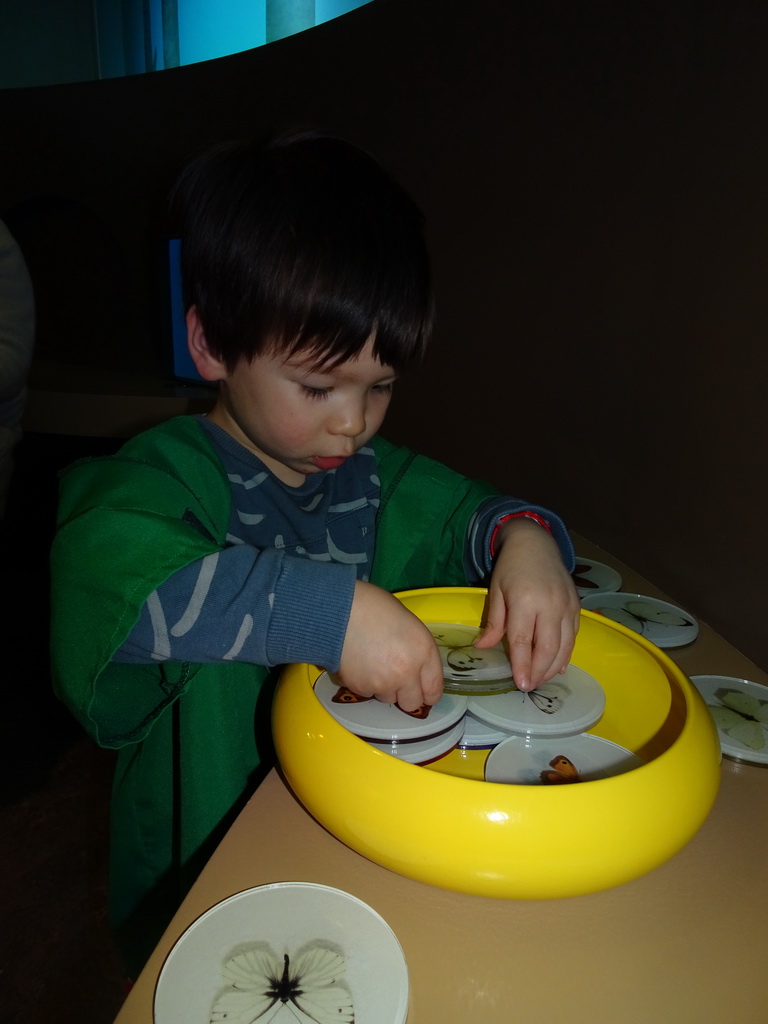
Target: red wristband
516 515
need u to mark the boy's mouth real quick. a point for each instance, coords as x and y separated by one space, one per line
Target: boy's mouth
327 462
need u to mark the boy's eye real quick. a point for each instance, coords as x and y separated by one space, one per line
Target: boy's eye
311 392
383 389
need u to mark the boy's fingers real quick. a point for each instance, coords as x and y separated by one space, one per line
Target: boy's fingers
411 698
494 625
546 662
520 658
489 637
552 653
426 686
538 651
432 680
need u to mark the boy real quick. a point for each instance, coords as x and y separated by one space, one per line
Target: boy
212 550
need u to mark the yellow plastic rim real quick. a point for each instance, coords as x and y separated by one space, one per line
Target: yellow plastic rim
522 842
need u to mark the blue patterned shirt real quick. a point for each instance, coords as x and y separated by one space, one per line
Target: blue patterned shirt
281 590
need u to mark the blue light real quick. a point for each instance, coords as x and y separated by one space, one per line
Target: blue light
208 30
136 35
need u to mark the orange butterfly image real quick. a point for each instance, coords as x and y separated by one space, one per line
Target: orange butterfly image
564 771
345 696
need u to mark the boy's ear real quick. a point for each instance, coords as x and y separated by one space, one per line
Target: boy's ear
207 365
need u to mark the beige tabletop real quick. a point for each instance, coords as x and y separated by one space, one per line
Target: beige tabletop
685 944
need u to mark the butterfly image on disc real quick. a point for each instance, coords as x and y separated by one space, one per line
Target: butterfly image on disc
739 709
742 717
374 720
548 699
570 703
285 953
662 623
468 669
593 577
261 984
561 770
526 761
346 696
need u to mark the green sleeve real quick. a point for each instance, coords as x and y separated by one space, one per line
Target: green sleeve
126 523
423 520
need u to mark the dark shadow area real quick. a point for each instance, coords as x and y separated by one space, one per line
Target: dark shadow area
36 729
58 960
83 297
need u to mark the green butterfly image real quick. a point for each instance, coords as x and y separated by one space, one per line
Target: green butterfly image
741 717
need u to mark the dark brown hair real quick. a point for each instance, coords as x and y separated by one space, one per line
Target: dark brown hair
304 243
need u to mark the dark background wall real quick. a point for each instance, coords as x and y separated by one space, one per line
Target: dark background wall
594 178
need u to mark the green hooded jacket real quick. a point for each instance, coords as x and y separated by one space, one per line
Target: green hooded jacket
193 741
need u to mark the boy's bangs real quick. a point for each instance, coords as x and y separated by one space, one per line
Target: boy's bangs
323 352
331 330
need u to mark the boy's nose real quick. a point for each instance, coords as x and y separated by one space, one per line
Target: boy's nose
348 421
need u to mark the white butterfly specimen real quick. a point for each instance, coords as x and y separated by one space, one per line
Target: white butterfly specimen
309 987
641 615
742 717
547 698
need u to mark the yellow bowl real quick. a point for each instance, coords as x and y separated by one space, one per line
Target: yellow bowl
449 828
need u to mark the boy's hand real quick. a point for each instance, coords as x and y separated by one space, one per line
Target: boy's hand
389 653
532 601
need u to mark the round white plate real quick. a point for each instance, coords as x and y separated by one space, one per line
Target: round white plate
479 735
374 720
285 918
739 708
593 577
522 760
464 663
663 624
424 751
569 703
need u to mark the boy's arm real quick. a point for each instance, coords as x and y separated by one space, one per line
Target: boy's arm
423 543
268 608
484 534
264 607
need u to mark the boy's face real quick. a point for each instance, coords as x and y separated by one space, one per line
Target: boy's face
297 419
